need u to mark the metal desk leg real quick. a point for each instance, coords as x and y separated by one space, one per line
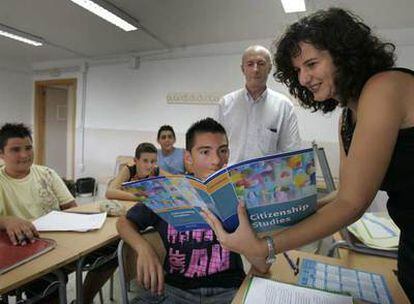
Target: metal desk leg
62 285
79 281
336 245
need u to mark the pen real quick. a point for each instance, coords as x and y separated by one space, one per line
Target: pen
294 267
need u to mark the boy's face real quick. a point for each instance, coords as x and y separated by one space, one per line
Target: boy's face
18 156
209 153
166 140
145 164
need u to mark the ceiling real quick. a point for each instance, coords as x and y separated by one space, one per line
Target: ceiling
73 32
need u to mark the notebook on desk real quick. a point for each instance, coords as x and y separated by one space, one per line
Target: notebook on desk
12 256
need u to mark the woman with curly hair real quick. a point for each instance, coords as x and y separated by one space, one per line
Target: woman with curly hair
329 59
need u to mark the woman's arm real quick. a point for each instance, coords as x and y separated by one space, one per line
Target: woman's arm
115 191
380 114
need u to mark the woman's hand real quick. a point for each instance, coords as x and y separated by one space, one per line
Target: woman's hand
244 240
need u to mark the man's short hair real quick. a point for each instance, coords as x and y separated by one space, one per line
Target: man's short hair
165 128
13 130
206 125
144 148
258 49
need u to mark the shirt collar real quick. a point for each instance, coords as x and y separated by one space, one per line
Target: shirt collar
250 99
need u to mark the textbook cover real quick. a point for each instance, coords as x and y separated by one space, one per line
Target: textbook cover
278 190
12 256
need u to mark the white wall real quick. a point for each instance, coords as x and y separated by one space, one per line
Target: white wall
124 106
15 97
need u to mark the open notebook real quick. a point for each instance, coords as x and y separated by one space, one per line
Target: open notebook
12 256
266 291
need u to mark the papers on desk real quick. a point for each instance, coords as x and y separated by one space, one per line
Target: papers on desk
366 286
376 230
69 221
267 291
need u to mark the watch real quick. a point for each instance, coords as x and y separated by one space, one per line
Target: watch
271 258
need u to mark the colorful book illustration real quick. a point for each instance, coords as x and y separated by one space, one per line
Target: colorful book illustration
12 256
278 190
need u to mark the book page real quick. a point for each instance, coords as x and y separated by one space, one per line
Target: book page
174 198
272 292
278 190
69 221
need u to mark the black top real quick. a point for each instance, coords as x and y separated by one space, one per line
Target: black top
194 258
399 178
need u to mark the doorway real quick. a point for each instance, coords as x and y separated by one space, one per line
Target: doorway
54 125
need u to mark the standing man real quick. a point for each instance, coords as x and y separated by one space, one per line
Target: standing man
258 120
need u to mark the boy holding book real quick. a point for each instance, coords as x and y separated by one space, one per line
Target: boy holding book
196 268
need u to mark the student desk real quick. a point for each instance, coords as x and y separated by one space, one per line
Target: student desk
71 246
282 272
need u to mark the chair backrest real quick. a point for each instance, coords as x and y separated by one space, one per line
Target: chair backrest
127 260
86 185
122 160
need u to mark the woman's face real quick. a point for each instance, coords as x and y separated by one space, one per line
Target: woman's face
316 71
166 140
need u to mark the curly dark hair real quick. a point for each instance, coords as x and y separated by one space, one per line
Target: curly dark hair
356 53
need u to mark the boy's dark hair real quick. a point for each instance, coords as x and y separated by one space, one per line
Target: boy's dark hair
356 53
165 128
144 148
13 130
206 125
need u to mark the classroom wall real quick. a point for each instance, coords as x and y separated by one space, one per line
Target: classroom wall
118 106
15 96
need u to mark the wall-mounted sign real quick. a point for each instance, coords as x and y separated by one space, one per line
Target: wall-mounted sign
194 97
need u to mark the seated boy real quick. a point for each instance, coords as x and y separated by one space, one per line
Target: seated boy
28 191
145 166
196 267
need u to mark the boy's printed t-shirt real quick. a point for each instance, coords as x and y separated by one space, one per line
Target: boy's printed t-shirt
194 258
38 193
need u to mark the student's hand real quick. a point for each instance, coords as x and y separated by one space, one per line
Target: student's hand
243 240
20 231
140 195
150 273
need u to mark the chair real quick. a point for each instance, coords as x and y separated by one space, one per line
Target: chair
37 291
86 186
348 241
127 260
121 161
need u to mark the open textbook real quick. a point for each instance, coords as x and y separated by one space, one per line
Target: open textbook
278 190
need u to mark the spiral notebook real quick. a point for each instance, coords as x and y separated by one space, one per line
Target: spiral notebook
12 256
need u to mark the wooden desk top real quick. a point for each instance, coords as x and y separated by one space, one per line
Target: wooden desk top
282 272
70 247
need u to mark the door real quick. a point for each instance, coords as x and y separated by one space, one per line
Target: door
54 132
